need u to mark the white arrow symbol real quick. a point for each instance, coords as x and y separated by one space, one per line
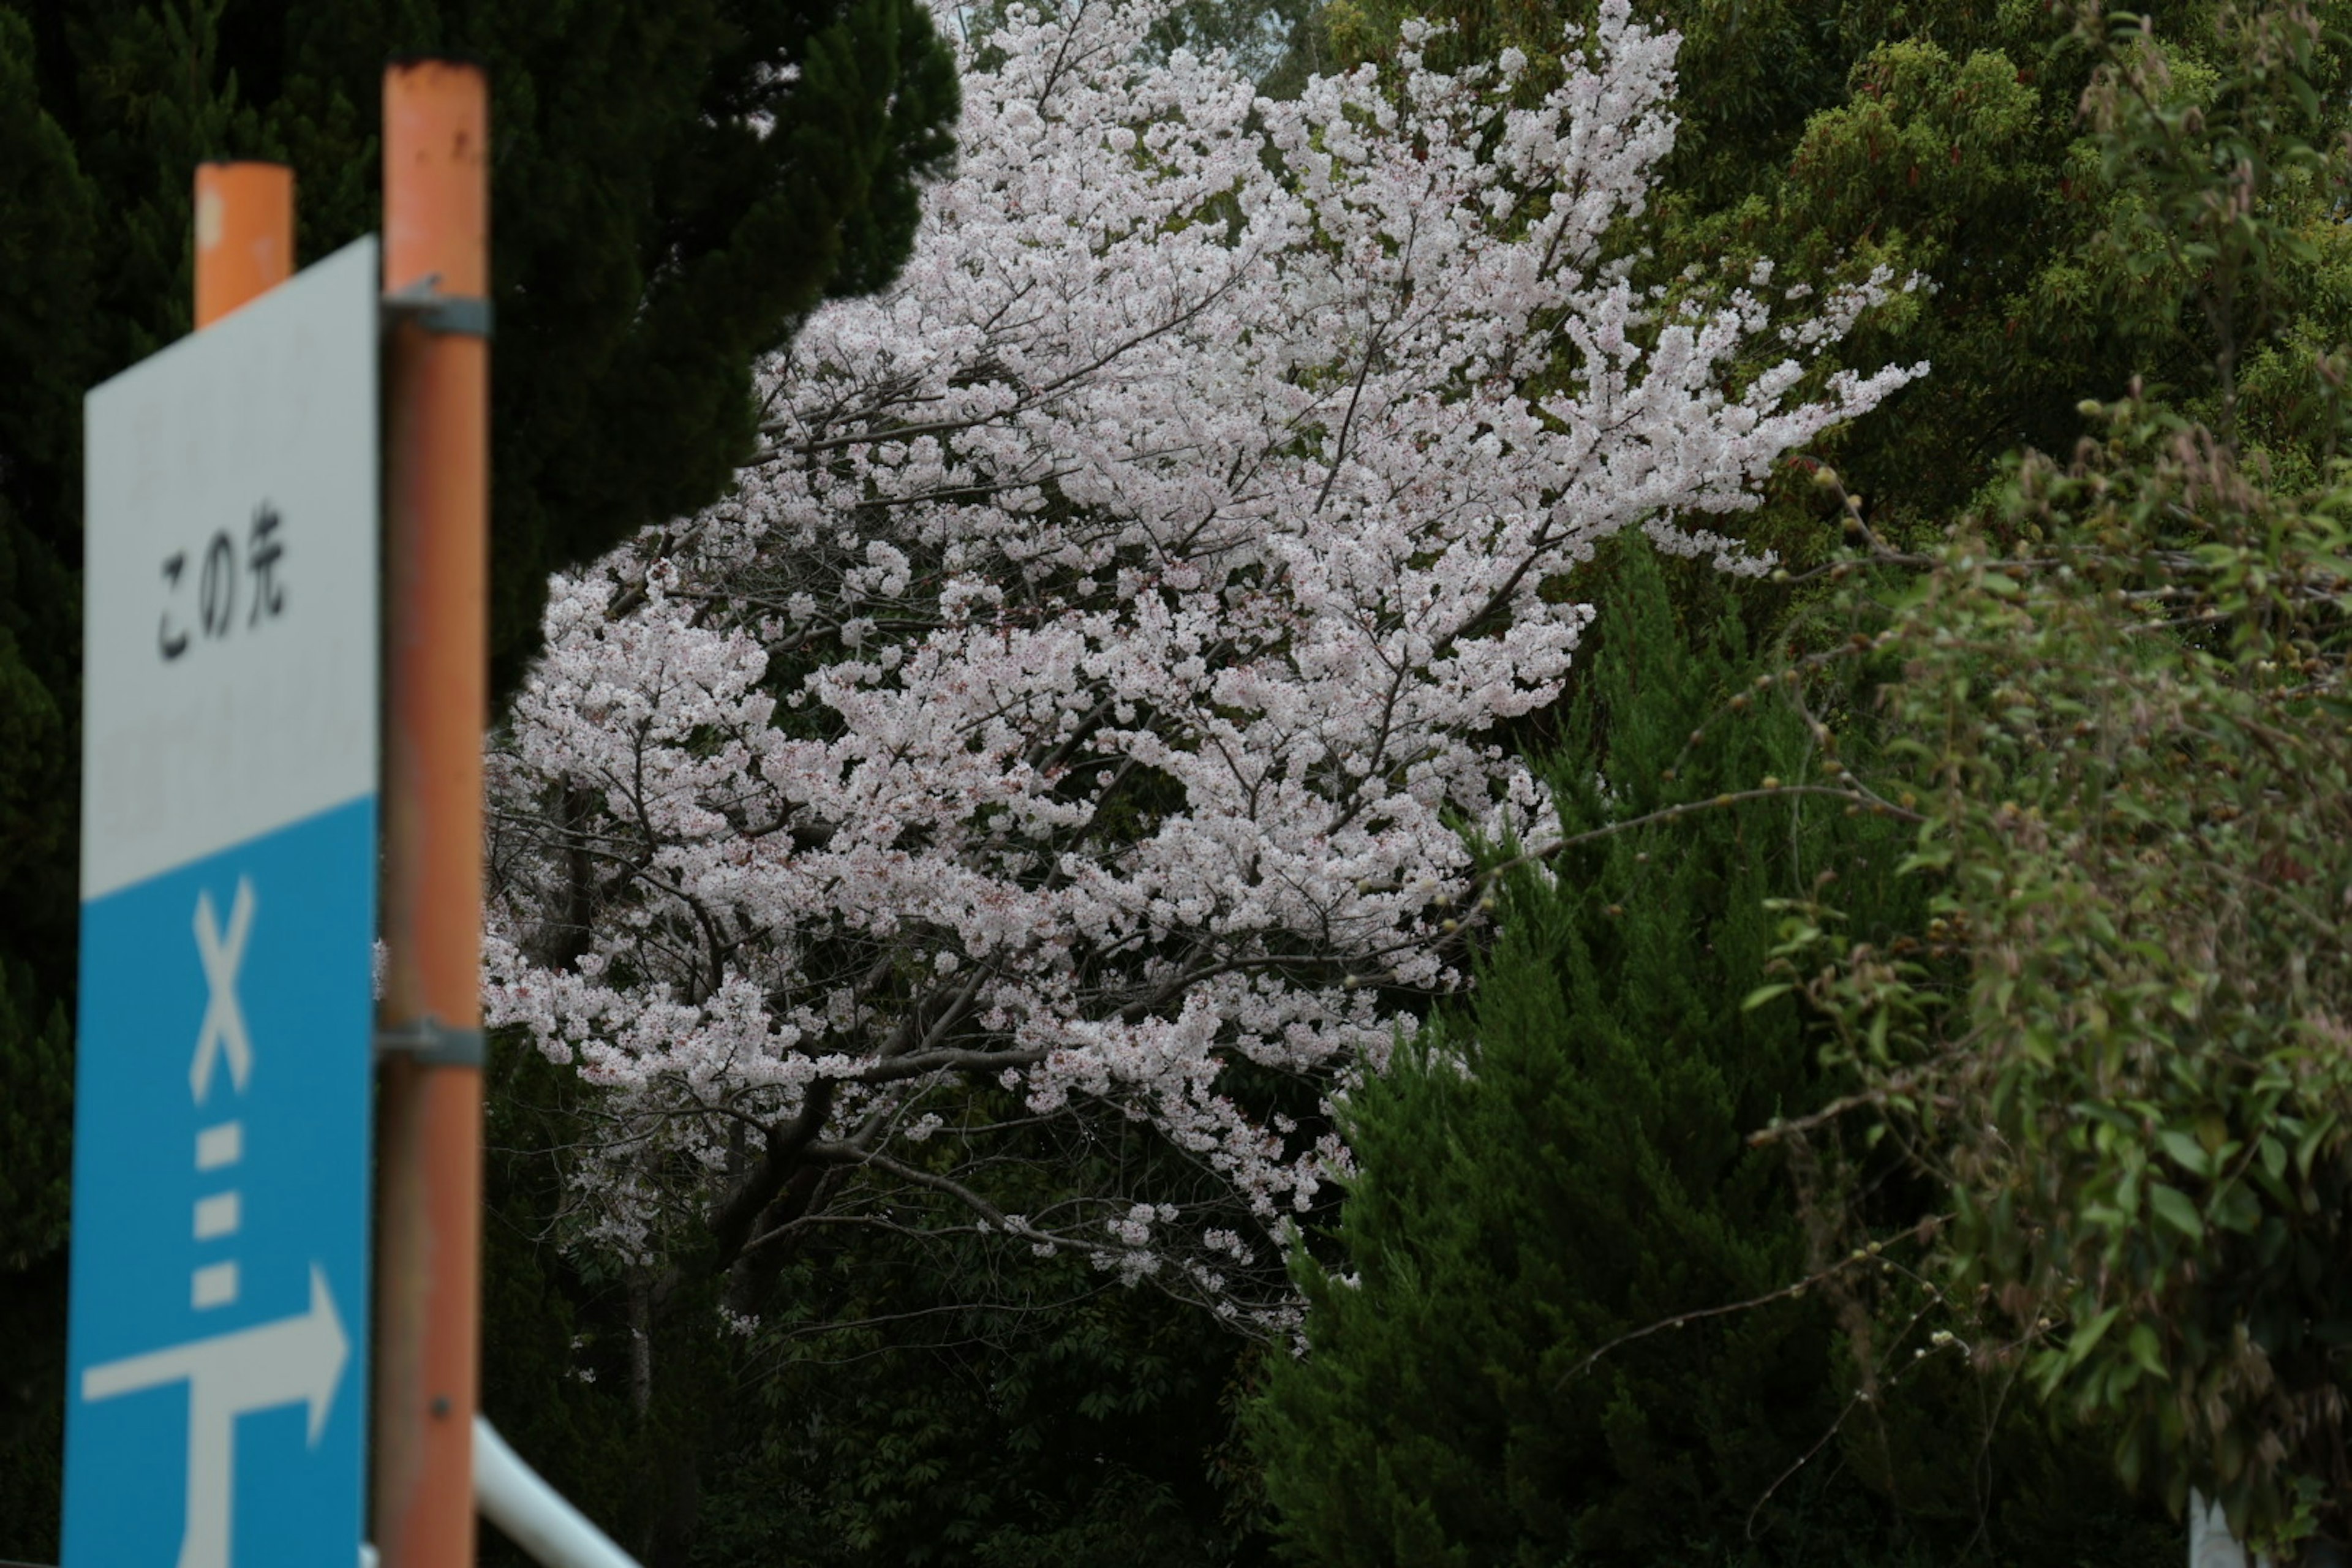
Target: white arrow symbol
224 1030
297 1360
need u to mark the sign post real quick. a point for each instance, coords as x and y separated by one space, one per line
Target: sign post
436 215
215 1408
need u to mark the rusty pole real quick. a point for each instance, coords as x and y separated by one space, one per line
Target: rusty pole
429 1106
244 234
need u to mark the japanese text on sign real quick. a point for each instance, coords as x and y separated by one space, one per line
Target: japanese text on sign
215 585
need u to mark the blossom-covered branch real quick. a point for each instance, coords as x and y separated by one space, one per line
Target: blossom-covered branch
1064 739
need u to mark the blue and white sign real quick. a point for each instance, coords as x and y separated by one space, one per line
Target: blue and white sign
215 1408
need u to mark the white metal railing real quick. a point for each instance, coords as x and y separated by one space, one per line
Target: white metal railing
534 1515
2210 1544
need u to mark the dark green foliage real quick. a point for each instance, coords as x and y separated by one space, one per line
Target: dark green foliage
2174 227
44 283
579 1436
2138 1099
910 1394
650 242
35 1106
1078 1422
35 1084
1520 1350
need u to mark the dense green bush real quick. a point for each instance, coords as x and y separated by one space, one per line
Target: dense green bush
1565 1313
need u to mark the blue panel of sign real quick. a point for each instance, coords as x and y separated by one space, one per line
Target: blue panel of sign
216 1408
216 1403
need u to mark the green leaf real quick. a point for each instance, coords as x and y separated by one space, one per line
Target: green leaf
2313 1138
2087 1339
2186 1152
2175 1209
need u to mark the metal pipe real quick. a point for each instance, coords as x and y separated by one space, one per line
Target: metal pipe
429 1101
244 234
534 1515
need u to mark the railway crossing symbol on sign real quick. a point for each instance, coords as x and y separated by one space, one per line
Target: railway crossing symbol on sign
215 1408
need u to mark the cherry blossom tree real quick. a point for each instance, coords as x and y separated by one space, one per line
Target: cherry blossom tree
1061 747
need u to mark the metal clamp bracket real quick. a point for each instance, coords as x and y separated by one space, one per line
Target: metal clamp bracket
429 1042
455 315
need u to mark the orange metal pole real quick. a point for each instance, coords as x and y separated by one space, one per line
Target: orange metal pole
429 1111
244 234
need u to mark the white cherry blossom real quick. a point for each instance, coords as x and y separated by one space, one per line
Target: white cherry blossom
1064 739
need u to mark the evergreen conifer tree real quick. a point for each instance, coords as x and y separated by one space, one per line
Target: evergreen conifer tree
1530 1345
